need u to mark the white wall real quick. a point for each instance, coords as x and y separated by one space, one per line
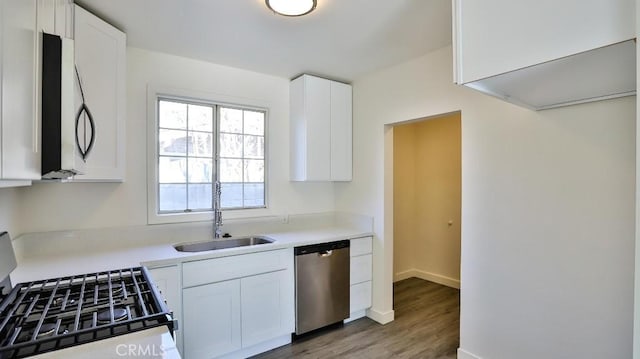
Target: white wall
47 207
9 211
547 212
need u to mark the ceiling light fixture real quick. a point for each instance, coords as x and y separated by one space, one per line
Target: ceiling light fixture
291 7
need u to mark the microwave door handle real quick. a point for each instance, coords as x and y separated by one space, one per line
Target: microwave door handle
84 152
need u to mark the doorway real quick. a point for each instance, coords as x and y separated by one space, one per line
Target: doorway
427 201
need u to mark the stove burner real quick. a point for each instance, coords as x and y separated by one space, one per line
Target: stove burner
115 288
80 309
47 329
118 315
56 302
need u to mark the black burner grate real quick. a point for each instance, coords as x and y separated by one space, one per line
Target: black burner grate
46 315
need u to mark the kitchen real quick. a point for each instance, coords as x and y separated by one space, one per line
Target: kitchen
539 177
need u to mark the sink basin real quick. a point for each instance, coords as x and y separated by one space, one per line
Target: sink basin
221 244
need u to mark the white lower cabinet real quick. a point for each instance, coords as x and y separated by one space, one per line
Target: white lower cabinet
361 276
167 279
360 296
264 307
212 319
360 269
247 308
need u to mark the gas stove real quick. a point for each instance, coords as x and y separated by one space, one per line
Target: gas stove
45 315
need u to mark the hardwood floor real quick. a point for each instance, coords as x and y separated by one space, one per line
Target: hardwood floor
426 326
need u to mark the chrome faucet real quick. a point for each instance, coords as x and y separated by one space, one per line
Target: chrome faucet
217 212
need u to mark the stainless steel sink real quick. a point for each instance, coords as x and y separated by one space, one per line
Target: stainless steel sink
221 244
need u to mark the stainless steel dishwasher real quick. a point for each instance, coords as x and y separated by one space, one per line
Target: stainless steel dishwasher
322 285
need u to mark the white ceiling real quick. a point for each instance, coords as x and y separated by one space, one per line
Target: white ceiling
341 39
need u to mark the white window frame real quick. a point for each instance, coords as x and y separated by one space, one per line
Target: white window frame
155 93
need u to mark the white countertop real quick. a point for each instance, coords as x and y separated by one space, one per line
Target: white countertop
57 254
42 265
149 343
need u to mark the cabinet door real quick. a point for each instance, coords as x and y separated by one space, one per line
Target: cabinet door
310 129
100 56
318 114
211 319
341 132
321 130
166 278
267 307
19 133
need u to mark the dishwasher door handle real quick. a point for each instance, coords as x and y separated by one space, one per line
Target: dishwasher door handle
325 253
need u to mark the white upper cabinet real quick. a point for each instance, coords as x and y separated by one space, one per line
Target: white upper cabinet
544 54
100 57
341 132
19 156
321 130
55 17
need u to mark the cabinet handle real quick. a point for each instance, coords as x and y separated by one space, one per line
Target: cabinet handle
84 150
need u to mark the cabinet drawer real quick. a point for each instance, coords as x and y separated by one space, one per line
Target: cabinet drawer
225 268
360 246
360 296
360 269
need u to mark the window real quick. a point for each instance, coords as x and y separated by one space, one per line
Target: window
190 137
241 158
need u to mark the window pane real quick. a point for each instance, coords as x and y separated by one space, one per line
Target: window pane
254 147
200 170
230 170
230 120
172 142
253 171
231 195
254 123
173 197
189 135
230 145
200 144
201 118
254 194
172 170
200 196
173 115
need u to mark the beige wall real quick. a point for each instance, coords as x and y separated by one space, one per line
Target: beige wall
427 181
